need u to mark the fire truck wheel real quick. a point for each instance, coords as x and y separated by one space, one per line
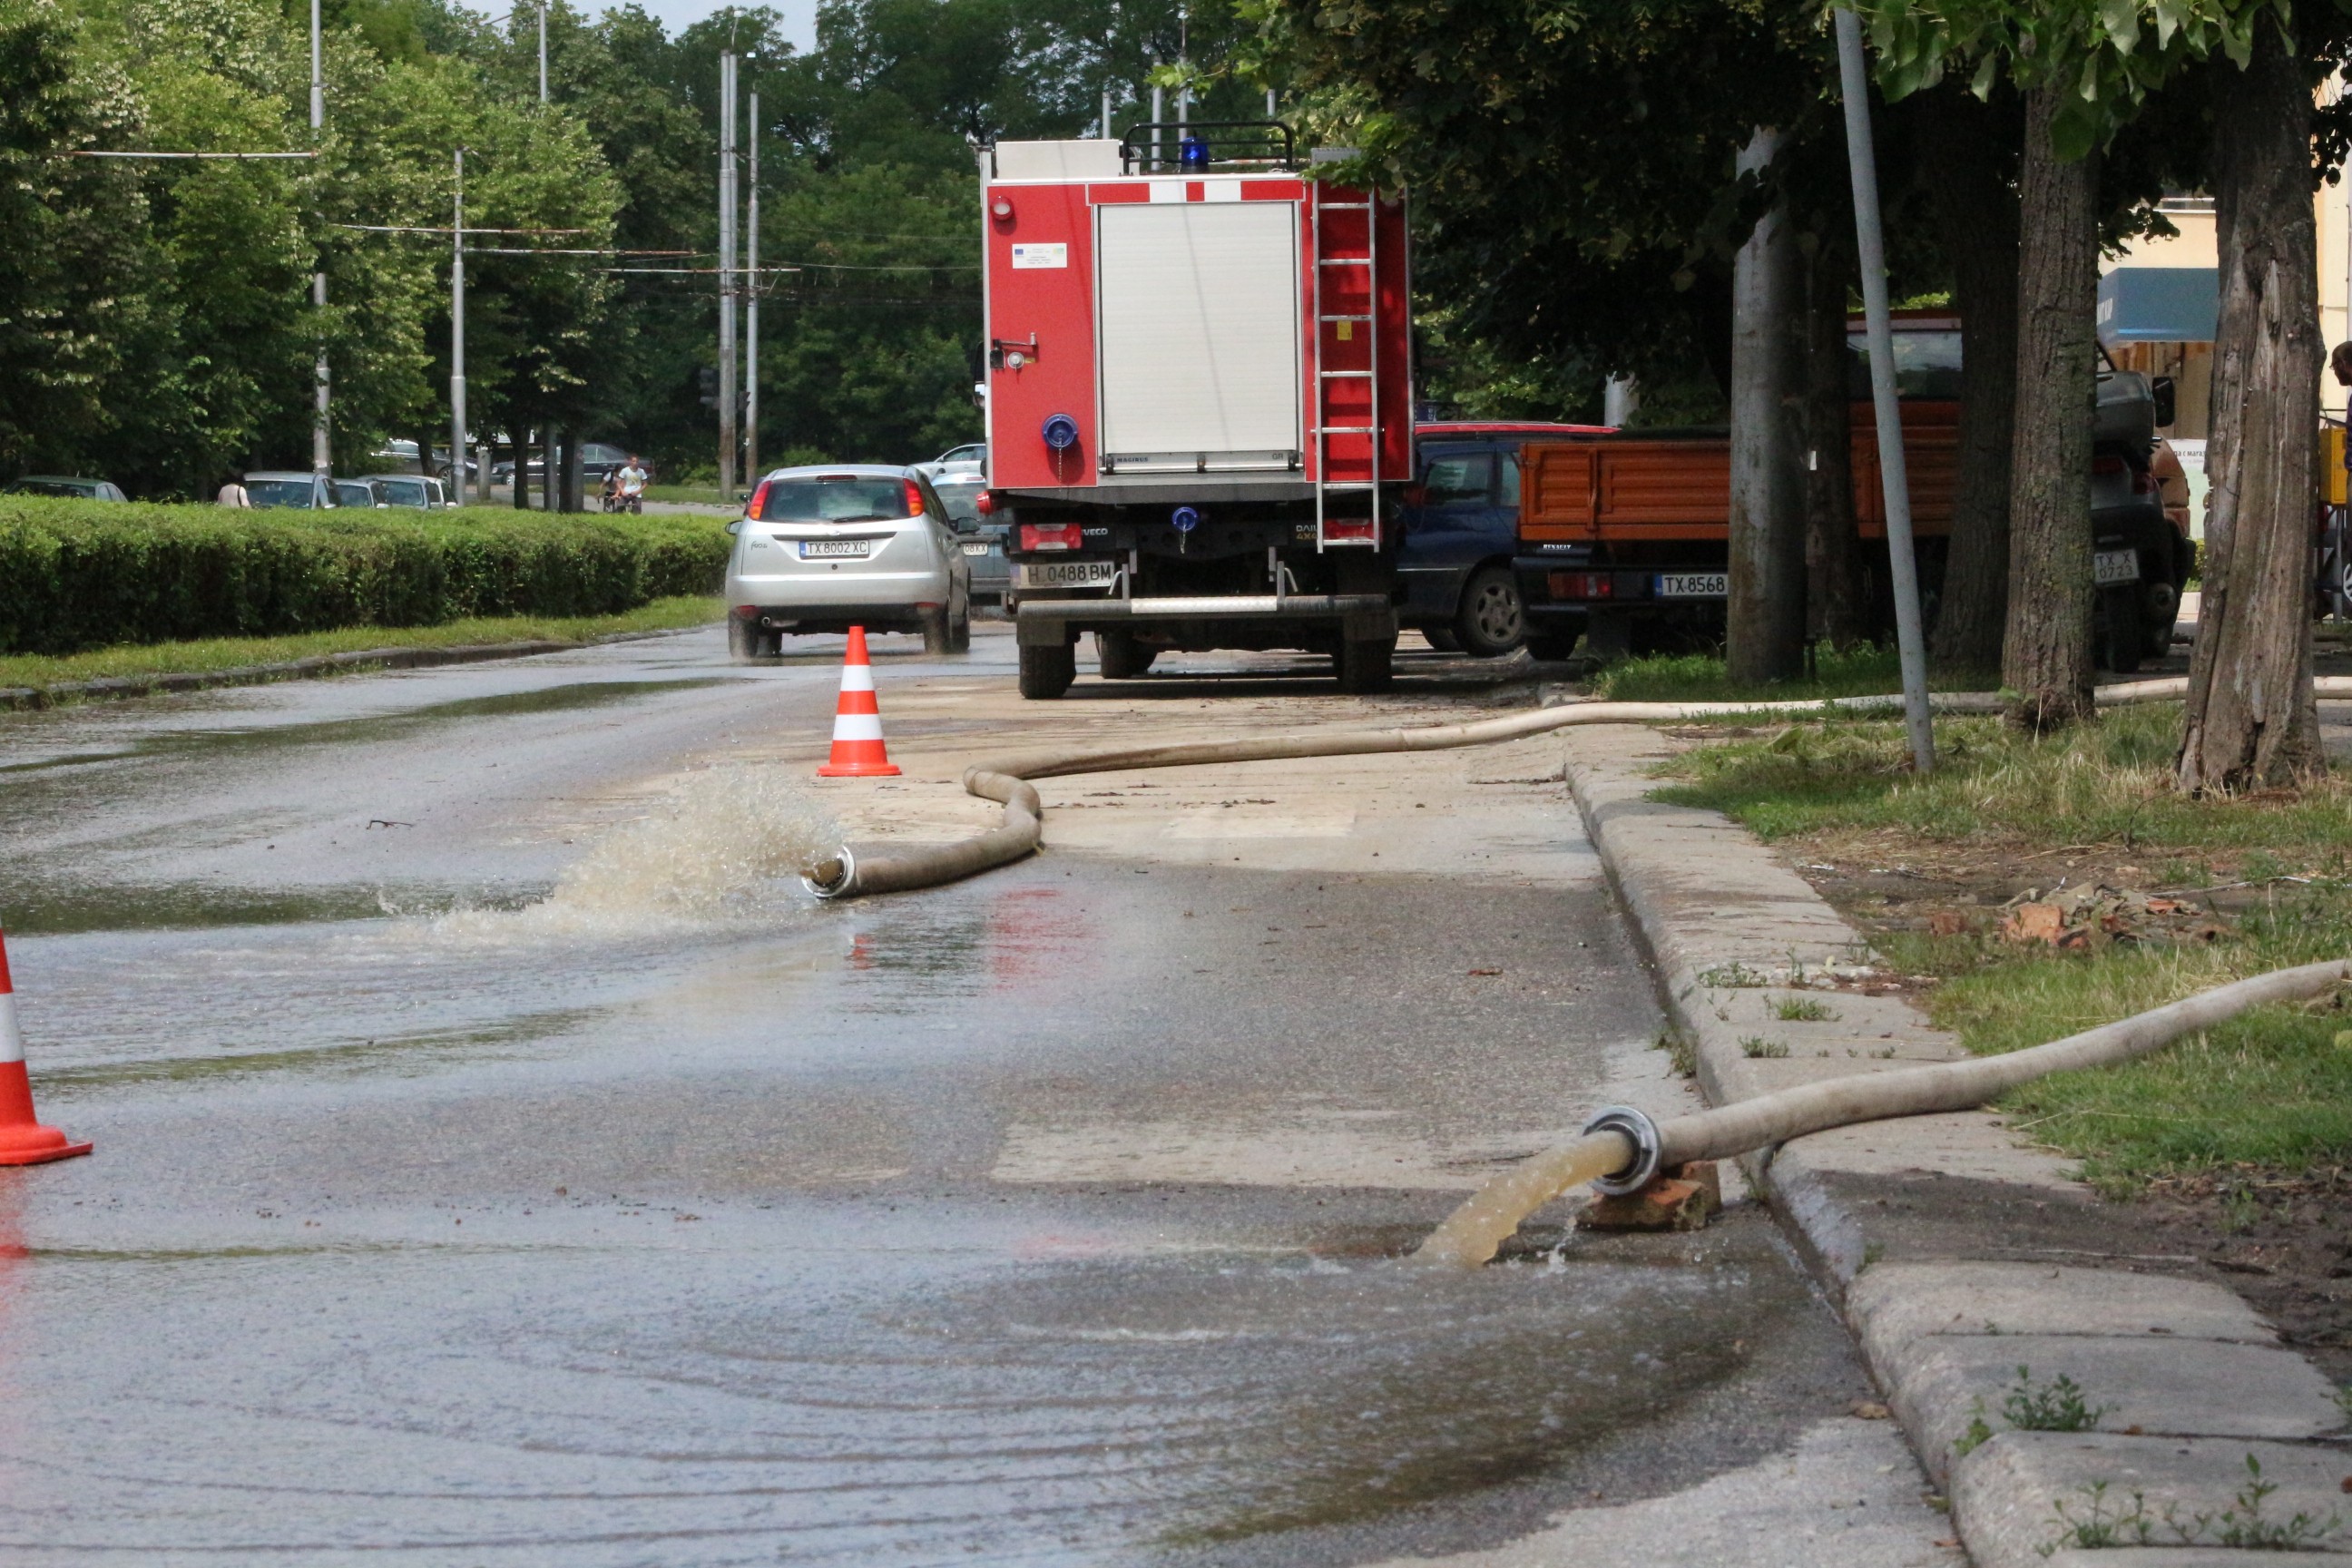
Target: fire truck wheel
1365 666
1491 622
1046 673
1120 658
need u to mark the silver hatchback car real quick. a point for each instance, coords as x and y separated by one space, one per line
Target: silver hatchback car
822 549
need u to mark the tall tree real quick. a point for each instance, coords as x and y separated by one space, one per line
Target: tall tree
1970 154
2253 718
2046 645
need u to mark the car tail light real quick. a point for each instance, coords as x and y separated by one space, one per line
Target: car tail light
914 498
759 503
1583 585
986 503
1348 528
2142 482
746 612
2107 465
1049 536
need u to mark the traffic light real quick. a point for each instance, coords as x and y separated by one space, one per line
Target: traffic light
710 379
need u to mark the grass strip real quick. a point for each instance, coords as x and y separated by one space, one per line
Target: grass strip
1702 677
2270 1089
207 655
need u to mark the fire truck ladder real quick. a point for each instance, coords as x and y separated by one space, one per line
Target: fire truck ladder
1325 379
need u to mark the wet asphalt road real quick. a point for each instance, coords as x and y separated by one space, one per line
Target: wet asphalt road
500 1163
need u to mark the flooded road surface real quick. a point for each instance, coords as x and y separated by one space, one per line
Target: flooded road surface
499 1160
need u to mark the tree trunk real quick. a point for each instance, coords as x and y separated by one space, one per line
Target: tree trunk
1764 632
1835 611
1976 211
2046 648
2253 721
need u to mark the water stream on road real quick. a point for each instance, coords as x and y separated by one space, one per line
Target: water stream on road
1472 1233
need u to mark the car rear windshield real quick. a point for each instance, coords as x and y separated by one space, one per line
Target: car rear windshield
404 492
279 492
961 501
849 498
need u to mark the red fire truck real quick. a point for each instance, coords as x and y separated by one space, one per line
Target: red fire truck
1200 399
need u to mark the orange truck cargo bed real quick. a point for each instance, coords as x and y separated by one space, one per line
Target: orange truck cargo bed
1679 487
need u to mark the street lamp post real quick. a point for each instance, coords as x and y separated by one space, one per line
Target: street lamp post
543 50
727 391
456 340
751 307
321 453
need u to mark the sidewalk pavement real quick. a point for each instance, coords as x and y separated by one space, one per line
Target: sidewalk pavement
1960 1253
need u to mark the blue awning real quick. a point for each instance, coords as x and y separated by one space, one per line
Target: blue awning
2158 305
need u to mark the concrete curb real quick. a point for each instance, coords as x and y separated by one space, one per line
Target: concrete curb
1958 1255
20 698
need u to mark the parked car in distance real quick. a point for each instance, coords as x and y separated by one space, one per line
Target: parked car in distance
275 489
360 494
972 457
1461 528
983 537
67 487
823 548
407 490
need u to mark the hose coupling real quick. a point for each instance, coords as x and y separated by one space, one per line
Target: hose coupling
831 876
1636 1128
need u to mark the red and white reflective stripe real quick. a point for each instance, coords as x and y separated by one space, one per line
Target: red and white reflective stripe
866 726
12 1039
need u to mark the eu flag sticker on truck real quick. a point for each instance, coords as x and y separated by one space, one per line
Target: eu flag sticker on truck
1028 256
1693 584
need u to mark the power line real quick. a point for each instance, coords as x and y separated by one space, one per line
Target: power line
411 228
102 152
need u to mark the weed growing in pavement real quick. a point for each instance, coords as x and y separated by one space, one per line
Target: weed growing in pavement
2242 1525
2102 1526
2055 1406
1753 1046
1678 1052
1976 1437
1733 977
1803 1010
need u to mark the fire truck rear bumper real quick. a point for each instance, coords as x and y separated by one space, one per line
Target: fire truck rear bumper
1259 607
1362 614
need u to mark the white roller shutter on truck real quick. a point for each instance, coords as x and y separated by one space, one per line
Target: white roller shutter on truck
1198 323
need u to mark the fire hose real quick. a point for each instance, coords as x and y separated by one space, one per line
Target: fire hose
1621 1149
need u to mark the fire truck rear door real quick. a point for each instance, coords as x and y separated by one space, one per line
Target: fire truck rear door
1199 331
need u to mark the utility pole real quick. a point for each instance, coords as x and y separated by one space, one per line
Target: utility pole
1764 629
542 51
727 408
752 309
321 451
457 341
1870 247
1106 118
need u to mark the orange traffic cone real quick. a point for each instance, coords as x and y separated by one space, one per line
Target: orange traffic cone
23 1140
858 749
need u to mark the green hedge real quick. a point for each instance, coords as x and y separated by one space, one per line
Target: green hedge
80 574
